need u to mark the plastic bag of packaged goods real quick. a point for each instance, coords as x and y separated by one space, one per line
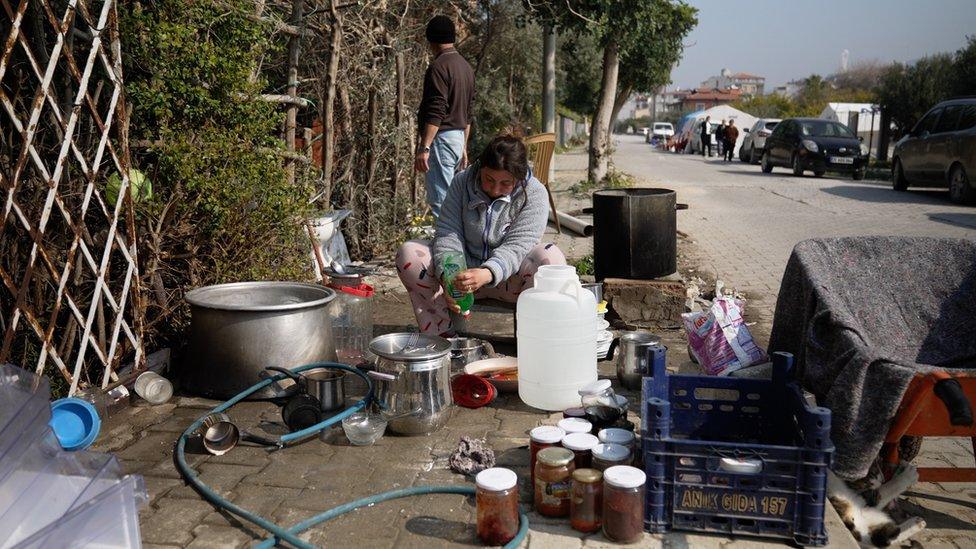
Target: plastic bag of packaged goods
719 338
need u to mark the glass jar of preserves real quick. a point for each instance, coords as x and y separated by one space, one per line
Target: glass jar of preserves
606 456
586 507
619 436
623 503
574 412
601 404
553 470
496 500
575 425
581 445
540 438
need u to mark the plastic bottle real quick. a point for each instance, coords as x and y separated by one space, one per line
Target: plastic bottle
451 265
556 339
153 387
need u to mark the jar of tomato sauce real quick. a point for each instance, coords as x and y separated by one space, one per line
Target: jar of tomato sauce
496 500
553 470
581 445
623 503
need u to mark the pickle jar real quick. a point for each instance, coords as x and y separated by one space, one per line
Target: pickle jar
540 438
586 507
496 501
623 503
553 471
606 456
581 444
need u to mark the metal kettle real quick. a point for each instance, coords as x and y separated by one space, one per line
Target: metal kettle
633 362
412 375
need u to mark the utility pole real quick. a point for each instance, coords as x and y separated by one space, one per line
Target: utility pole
549 88
549 80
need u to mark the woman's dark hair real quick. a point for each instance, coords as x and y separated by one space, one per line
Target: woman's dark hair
507 152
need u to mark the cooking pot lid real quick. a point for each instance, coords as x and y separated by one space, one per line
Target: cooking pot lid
409 347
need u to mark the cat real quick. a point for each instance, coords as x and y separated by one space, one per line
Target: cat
864 515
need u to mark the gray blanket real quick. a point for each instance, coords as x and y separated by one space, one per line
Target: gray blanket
863 316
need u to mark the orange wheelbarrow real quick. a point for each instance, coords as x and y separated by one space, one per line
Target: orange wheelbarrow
936 404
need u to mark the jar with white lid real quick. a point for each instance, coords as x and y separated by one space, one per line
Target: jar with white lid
580 444
623 503
496 500
575 425
614 435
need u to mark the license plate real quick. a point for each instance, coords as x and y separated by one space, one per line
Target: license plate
841 160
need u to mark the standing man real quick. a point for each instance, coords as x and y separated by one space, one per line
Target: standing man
706 136
444 116
731 136
720 138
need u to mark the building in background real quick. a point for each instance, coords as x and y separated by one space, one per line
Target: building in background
750 84
705 98
790 89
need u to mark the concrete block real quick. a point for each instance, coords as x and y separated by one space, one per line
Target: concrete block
644 302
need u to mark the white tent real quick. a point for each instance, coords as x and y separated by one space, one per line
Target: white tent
843 112
743 120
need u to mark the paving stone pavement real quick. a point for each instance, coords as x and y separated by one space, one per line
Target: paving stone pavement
297 483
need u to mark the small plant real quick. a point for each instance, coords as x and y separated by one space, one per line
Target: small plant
618 180
582 187
584 265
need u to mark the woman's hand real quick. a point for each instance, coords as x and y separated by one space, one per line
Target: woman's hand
451 304
471 280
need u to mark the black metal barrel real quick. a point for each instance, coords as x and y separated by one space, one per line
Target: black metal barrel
634 233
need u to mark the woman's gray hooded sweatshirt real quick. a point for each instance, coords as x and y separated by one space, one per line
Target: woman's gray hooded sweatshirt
494 234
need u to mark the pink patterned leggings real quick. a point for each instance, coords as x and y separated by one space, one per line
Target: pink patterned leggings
413 262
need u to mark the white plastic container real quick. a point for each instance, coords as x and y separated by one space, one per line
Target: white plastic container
556 339
154 388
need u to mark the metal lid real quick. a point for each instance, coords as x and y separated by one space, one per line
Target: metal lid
611 452
547 434
624 476
265 296
579 442
575 425
409 347
587 476
615 435
496 479
554 456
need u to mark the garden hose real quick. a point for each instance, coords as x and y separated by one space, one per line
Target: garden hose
290 535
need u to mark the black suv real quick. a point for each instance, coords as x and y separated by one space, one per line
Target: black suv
940 151
815 144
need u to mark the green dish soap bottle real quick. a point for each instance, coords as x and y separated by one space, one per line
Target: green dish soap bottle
451 265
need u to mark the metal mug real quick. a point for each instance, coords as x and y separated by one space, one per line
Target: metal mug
326 385
632 364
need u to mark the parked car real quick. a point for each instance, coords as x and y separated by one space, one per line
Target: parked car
940 151
660 131
755 139
815 144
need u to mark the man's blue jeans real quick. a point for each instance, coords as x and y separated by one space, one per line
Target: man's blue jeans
445 155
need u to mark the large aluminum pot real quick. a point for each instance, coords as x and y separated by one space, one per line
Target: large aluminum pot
239 329
412 379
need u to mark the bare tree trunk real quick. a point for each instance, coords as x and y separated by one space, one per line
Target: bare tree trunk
602 118
328 106
294 46
618 103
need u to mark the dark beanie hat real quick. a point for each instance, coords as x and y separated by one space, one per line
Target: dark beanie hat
440 30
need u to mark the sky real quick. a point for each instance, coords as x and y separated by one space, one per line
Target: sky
786 40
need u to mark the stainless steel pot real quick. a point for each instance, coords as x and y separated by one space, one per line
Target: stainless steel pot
632 364
465 350
412 376
238 329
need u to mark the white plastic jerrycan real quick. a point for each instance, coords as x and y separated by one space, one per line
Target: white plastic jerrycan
556 339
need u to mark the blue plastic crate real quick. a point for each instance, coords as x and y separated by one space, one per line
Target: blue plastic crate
690 423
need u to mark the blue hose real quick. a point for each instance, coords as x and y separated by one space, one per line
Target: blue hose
290 535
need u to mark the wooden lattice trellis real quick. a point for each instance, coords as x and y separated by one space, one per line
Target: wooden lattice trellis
70 284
